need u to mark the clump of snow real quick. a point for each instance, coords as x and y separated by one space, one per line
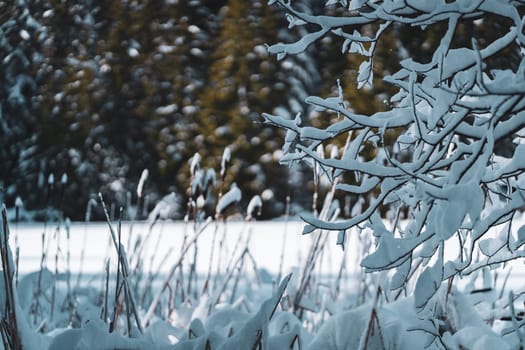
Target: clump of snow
254 207
167 208
225 160
166 110
230 198
195 163
143 178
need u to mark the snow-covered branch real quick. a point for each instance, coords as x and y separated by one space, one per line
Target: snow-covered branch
448 165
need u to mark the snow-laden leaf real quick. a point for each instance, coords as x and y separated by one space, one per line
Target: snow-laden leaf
289 158
428 249
166 208
195 163
292 136
446 100
230 198
162 333
365 75
391 252
521 237
400 276
476 338
491 246
226 157
94 335
346 44
451 218
377 225
428 284
254 207
27 285
473 331
294 21
356 4
286 340
255 330
209 178
406 139
308 304
461 200
486 278
281 50
517 162
357 47
308 229
196 183
196 328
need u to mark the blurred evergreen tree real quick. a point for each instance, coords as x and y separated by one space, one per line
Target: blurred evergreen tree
242 83
70 93
100 90
20 38
178 76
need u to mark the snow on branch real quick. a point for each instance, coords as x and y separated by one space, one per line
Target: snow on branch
446 167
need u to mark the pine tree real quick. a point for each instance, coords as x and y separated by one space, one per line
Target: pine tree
70 92
241 85
20 39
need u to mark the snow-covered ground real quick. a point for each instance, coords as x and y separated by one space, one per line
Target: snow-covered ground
192 323
94 239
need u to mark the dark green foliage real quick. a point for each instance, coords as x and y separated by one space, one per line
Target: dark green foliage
20 37
100 90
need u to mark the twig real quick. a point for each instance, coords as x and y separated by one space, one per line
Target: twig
219 258
208 275
275 302
283 245
156 300
124 266
106 295
10 334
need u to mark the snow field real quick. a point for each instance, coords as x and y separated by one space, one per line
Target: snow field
267 239
246 312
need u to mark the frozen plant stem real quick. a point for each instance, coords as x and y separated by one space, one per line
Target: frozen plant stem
370 329
123 265
276 300
106 294
237 245
90 204
171 273
285 232
38 291
515 325
9 322
53 291
210 263
219 258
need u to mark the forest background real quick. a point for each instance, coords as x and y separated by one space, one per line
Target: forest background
93 92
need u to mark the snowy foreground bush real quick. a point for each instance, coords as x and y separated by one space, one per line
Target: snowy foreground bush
448 154
169 301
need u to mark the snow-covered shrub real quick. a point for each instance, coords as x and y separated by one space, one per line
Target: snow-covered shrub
449 151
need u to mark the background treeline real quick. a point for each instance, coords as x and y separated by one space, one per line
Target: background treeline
96 91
